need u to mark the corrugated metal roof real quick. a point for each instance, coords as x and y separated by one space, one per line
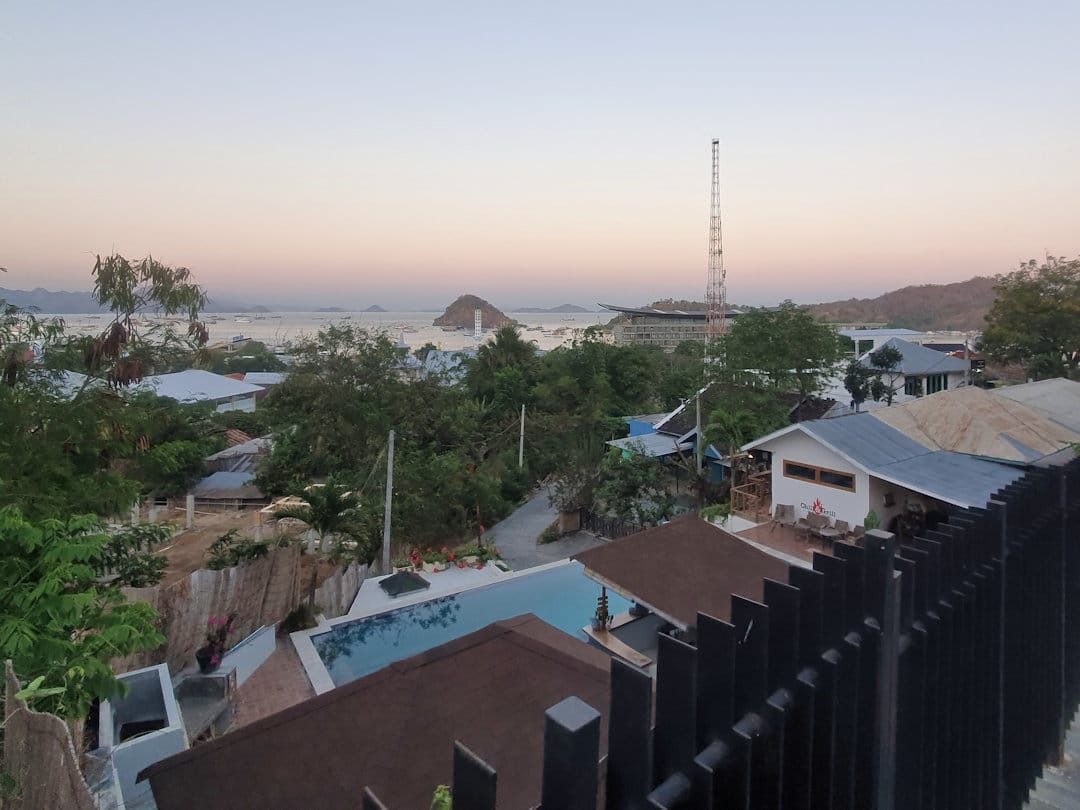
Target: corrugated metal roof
196 385
886 453
652 444
979 423
227 485
916 359
1058 398
265 377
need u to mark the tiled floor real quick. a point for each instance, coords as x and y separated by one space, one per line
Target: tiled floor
278 684
782 538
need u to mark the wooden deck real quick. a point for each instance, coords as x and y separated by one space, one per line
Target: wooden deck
609 642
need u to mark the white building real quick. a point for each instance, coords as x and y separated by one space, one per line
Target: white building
866 340
196 385
847 466
922 371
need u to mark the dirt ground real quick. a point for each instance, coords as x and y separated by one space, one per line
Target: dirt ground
187 552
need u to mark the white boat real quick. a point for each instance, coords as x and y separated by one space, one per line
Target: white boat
242 319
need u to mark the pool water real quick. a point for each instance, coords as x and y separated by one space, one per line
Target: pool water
562 596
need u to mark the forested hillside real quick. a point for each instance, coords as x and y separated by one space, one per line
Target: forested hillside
962 305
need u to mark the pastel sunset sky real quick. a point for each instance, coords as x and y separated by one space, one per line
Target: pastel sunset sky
402 153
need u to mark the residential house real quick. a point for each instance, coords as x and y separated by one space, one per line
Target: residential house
848 466
394 730
197 385
1058 398
921 371
267 380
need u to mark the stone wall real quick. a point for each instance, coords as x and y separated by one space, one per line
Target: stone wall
40 765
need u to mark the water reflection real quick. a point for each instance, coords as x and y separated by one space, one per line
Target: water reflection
385 629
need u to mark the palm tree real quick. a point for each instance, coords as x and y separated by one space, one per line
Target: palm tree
333 513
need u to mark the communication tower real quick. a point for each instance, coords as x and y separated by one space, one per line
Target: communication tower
716 290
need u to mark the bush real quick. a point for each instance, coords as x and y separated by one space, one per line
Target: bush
230 550
550 534
302 617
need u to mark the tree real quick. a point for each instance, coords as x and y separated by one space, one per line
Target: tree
509 351
634 488
57 622
885 361
1035 319
336 515
782 348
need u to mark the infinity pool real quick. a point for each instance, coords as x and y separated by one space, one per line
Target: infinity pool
562 596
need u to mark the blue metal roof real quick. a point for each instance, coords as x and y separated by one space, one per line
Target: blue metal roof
916 359
652 444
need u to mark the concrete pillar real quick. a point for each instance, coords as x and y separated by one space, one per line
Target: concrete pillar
135 515
191 511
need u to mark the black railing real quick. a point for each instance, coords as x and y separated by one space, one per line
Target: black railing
606 526
938 673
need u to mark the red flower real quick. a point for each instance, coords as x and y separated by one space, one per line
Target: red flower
450 556
461 564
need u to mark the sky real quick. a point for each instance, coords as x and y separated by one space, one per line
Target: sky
401 154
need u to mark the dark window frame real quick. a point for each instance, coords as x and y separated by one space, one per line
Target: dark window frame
818 470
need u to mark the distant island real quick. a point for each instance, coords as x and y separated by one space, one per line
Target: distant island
329 309
374 308
459 315
562 308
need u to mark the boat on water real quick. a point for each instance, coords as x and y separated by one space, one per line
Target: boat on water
242 319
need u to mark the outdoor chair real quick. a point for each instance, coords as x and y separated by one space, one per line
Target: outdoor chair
822 530
812 524
843 528
783 515
857 535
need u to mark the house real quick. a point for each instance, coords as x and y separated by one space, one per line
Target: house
921 370
447 364
197 385
242 457
394 730
848 466
267 380
988 424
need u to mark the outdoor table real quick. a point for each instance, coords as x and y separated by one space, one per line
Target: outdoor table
827 535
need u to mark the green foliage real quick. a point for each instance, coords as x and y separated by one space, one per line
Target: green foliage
865 380
634 488
127 555
339 516
441 799
57 622
1035 319
253 423
782 348
230 550
871 521
253 356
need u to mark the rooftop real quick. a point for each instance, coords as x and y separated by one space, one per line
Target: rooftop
394 730
862 334
196 385
884 452
916 359
1058 398
697 314
981 423
682 568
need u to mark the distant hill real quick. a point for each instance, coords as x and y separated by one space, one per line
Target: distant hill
562 308
961 306
926 307
374 308
460 314
73 303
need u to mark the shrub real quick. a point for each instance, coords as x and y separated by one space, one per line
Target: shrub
229 550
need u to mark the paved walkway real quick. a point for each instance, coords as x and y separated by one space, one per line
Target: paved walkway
276 685
516 535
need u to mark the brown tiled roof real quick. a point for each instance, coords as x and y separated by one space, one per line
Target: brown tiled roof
393 730
683 567
234 437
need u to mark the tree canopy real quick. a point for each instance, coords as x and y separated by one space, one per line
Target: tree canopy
1035 319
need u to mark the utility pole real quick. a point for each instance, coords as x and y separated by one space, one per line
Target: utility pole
700 449
389 502
521 439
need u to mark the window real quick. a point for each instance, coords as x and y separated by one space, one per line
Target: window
936 382
913 386
793 470
820 475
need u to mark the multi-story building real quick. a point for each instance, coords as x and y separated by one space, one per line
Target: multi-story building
655 327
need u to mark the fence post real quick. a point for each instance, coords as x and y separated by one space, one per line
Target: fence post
474 781
190 511
883 594
629 759
571 756
675 736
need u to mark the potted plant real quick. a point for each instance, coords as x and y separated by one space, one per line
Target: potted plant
210 654
602 618
401 564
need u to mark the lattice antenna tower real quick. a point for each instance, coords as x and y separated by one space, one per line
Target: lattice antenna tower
716 291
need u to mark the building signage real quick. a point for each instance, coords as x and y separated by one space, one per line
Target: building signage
818 508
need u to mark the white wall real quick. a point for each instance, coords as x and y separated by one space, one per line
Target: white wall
838 504
246 403
249 654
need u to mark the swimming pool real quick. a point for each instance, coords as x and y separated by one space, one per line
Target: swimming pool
561 596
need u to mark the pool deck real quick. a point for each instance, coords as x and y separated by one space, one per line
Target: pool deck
280 682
